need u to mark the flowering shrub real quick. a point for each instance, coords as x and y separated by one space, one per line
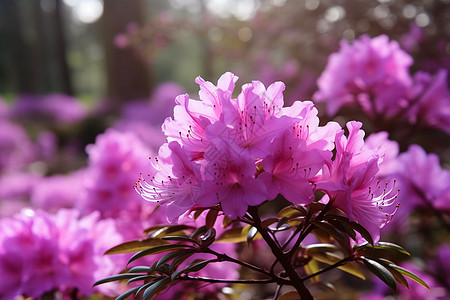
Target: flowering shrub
230 156
244 192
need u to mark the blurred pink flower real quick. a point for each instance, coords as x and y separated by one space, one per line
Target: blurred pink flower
62 252
372 73
431 100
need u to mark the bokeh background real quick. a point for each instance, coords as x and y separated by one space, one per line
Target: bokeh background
72 69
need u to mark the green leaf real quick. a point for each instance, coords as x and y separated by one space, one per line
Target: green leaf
364 233
134 246
180 238
211 218
141 269
233 235
143 287
193 268
266 223
312 267
322 247
157 249
386 245
343 224
409 274
380 271
155 288
178 261
289 212
331 258
199 231
127 293
170 229
143 277
171 255
343 240
115 278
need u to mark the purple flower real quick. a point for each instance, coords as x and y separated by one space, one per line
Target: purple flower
423 181
15 190
431 101
58 191
115 161
63 252
352 184
16 149
372 73
57 107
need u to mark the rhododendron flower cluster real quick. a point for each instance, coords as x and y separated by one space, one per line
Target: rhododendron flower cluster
239 152
373 73
40 252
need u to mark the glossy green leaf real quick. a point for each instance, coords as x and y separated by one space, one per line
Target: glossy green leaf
312 267
289 212
343 224
364 233
155 288
127 293
386 245
141 269
193 268
409 274
135 246
233 235
342 239
380 271
143 277
178 261
180 238
170 229
171 255
199 231
323 247
143 287
331 259
115 278
157 249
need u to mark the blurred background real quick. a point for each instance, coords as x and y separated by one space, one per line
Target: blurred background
93 48
70 70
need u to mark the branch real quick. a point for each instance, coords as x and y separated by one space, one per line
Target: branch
284 259
224 257
212 280
330 267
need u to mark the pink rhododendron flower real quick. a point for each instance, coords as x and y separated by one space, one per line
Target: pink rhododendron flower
431 100
40 253
114 161
372 73
423 181
352 184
